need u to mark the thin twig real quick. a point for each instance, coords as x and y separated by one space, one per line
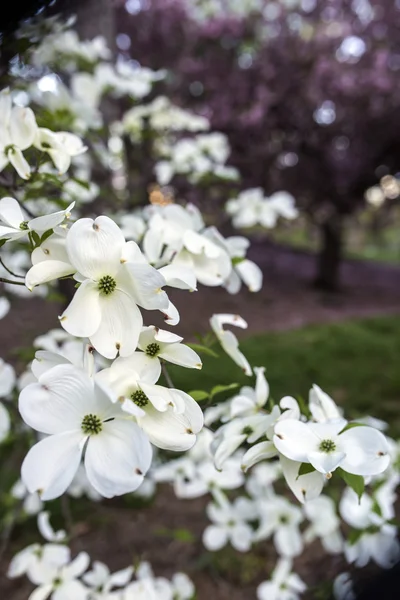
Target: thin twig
67 514
3 280
9 270
167 376
9 528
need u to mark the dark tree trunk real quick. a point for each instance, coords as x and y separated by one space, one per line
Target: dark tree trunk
328 265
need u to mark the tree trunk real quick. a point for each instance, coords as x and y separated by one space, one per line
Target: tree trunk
328 266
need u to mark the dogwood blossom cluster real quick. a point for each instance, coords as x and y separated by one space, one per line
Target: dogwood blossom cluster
56 573
252 208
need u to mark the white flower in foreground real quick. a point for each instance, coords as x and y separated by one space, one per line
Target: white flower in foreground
343 587
60 582
169 417
284 585
102 581
17 133
157 343
115 278
230 524
182 587
14 223
358 450
50 261
79 416
280 518
228 340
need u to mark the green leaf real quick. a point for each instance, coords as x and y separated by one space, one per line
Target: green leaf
2 242
236 260
354 536
305 469
219 389
352 425
199 395
203 350
355 482
46 235
36 238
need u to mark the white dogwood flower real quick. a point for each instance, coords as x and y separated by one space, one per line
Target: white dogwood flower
169 417
79 416
15 224
61 146
359 450
157 343
102 582
115 278
229 524
61 581
280 518
284 584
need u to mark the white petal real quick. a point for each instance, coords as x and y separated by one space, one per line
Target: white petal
42 592
170 430
179 277
305 487
47 222
321 405
262 387
227 448
83 315
58 401
295 439
71 589
22 127
47 531
117 459
143 283
5 423
77 567
288 541
47 270
257 453
182 355
251 274
367 451
241 537
120 325
11 213
326 462
19 162
95 247
4 306
214 537
51 464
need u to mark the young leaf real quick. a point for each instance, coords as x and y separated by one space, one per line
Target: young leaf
203 350
305 468
199 395
46 235
36 238
351 425
355 482
218 389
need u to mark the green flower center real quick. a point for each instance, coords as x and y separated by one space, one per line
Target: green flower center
152 349
91 425
23 225
139 398
247 430
57 582
283 519
107 285
327 446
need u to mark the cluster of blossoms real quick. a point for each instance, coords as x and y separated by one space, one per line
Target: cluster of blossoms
252 208
217 464
57 574
93 402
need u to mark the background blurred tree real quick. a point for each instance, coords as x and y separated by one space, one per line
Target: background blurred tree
308 96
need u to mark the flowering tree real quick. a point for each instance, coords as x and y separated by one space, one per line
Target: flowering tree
307 94
96 411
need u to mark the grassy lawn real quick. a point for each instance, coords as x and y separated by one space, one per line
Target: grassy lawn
357 362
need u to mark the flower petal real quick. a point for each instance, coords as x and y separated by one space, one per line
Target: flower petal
367 451
295 439
117 459
50 465
120 325
83 315
95 247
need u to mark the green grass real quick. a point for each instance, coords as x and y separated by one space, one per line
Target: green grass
356 362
